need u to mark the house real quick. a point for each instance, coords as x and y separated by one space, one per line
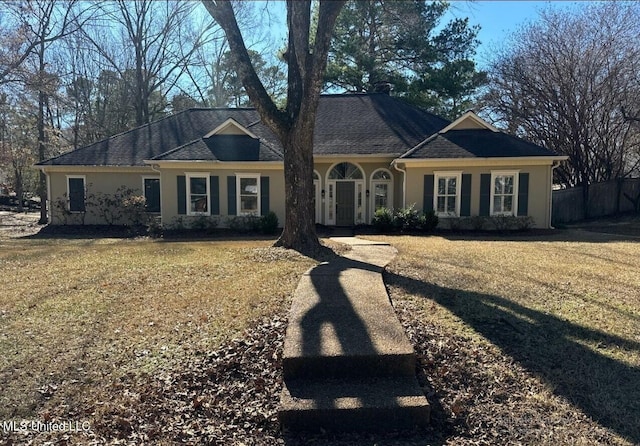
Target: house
370 151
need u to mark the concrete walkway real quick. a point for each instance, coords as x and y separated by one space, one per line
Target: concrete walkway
347 362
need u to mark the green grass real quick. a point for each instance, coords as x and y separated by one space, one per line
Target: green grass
76 315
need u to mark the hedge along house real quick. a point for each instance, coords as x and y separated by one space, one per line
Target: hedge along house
370 151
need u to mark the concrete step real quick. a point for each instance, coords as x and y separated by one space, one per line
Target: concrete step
371 404
342 324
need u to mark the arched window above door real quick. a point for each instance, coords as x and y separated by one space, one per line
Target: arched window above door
345 171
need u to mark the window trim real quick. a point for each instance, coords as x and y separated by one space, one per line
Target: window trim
239 177
144 190
372 187
514 203
447 174
317 186
84 184
205 175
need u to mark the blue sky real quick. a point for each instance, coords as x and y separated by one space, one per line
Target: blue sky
497 19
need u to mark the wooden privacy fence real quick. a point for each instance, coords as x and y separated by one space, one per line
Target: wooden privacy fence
608 198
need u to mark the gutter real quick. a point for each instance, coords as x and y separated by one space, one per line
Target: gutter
554 166
404 182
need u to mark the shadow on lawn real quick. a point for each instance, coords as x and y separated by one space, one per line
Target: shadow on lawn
554 349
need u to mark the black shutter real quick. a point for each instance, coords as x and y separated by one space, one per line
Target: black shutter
427 201
76 195
182 194
214 189
264 195
465 195
152 194
523 194
231 195
485 194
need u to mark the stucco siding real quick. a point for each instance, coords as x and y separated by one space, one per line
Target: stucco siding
105 181
170 214
538 196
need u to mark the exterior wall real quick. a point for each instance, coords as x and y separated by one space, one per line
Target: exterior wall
169 192
539 187
103 180
108 180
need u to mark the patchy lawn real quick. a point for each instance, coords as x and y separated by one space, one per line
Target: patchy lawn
525 341
80 319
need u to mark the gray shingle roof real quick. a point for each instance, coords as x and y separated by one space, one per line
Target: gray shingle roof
371 124
131 148
475 143
223 148
349 124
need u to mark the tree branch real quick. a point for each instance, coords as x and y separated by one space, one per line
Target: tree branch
222 12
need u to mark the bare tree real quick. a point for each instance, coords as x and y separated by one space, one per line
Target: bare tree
565 80
42 24
149 43
306 57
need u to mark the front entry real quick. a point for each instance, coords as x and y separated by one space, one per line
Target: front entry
345 201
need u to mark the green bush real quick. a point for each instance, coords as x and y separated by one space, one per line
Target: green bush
407 219
205 223
503 222
429 221
269 223
245 223
383 220
478 222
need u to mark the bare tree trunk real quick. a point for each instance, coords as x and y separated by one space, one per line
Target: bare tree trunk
42 152
295 124
299 225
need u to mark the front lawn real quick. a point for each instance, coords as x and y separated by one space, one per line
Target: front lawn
521 340
77 316
532 340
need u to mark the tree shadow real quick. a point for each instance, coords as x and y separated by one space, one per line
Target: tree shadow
344 359
563 354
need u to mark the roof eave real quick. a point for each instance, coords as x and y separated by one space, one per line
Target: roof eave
510 160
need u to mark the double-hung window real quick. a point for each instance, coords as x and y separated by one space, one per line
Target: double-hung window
504 193
447 193
76 193
198 194
248 186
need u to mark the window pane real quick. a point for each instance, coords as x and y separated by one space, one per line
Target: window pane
248 186
441 204
508 184
498 185
380 191
198 203
441 186
248 204
451 186
345 171
507 204
497 204
451 205
198 186
382 175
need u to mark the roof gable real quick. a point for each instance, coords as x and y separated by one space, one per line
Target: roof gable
469 121
230 127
